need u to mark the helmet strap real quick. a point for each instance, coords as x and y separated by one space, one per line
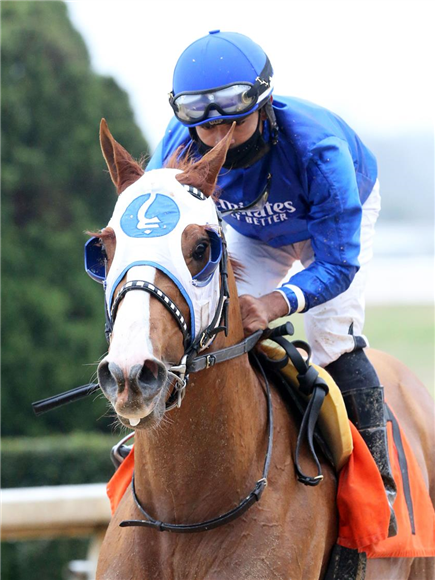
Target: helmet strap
262 82
270 113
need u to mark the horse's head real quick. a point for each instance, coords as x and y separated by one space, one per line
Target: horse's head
164 241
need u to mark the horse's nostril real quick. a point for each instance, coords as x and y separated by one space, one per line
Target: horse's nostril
147 378
109 378
152 367
148 374
103 373
152 375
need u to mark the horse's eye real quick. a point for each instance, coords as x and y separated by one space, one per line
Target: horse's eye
199 252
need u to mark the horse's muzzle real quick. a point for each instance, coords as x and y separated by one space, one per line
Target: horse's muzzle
133 392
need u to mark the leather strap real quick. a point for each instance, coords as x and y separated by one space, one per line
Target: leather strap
229 516
306 432
208 360
310 384
195 365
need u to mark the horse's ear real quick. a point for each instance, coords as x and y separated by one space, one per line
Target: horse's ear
203 174
123 169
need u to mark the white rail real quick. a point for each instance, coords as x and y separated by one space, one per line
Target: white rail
35 512
53 511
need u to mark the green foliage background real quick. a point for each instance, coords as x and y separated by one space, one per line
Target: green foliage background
54 187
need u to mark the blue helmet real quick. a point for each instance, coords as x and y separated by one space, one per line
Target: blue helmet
224 75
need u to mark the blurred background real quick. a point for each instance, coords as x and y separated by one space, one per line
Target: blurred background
67 65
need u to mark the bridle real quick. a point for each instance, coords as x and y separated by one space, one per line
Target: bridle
180 373
191 362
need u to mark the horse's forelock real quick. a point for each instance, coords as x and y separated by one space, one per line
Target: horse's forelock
182 158
104 234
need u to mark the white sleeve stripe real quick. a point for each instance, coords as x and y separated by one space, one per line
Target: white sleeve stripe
299 296
286 299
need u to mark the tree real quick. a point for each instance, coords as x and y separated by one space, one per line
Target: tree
54 186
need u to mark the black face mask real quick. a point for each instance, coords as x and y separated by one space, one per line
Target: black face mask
241 156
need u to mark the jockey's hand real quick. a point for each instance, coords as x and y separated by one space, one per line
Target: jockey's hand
258 312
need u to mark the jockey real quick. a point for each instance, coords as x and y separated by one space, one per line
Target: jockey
318 200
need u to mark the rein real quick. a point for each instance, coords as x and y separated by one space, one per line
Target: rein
230 515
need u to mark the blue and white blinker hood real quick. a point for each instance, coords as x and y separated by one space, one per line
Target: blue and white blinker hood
149 219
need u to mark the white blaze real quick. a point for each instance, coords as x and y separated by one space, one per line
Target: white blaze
131 344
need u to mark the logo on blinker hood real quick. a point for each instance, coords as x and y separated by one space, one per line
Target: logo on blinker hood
150 216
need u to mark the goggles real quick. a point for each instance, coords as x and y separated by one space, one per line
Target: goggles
95 260
194 107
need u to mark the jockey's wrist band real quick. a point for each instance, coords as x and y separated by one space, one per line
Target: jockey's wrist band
283 294
294 296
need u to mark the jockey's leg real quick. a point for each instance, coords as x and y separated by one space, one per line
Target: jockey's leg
364 399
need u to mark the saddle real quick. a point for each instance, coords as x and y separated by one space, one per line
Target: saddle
333 421
361 500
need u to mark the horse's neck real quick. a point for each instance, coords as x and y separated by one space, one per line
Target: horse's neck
213 446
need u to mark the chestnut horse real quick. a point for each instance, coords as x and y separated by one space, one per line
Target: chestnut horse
204 458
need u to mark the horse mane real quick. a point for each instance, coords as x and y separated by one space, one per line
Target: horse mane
238 268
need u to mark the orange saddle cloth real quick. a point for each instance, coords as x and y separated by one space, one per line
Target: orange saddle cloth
120 481
363 510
